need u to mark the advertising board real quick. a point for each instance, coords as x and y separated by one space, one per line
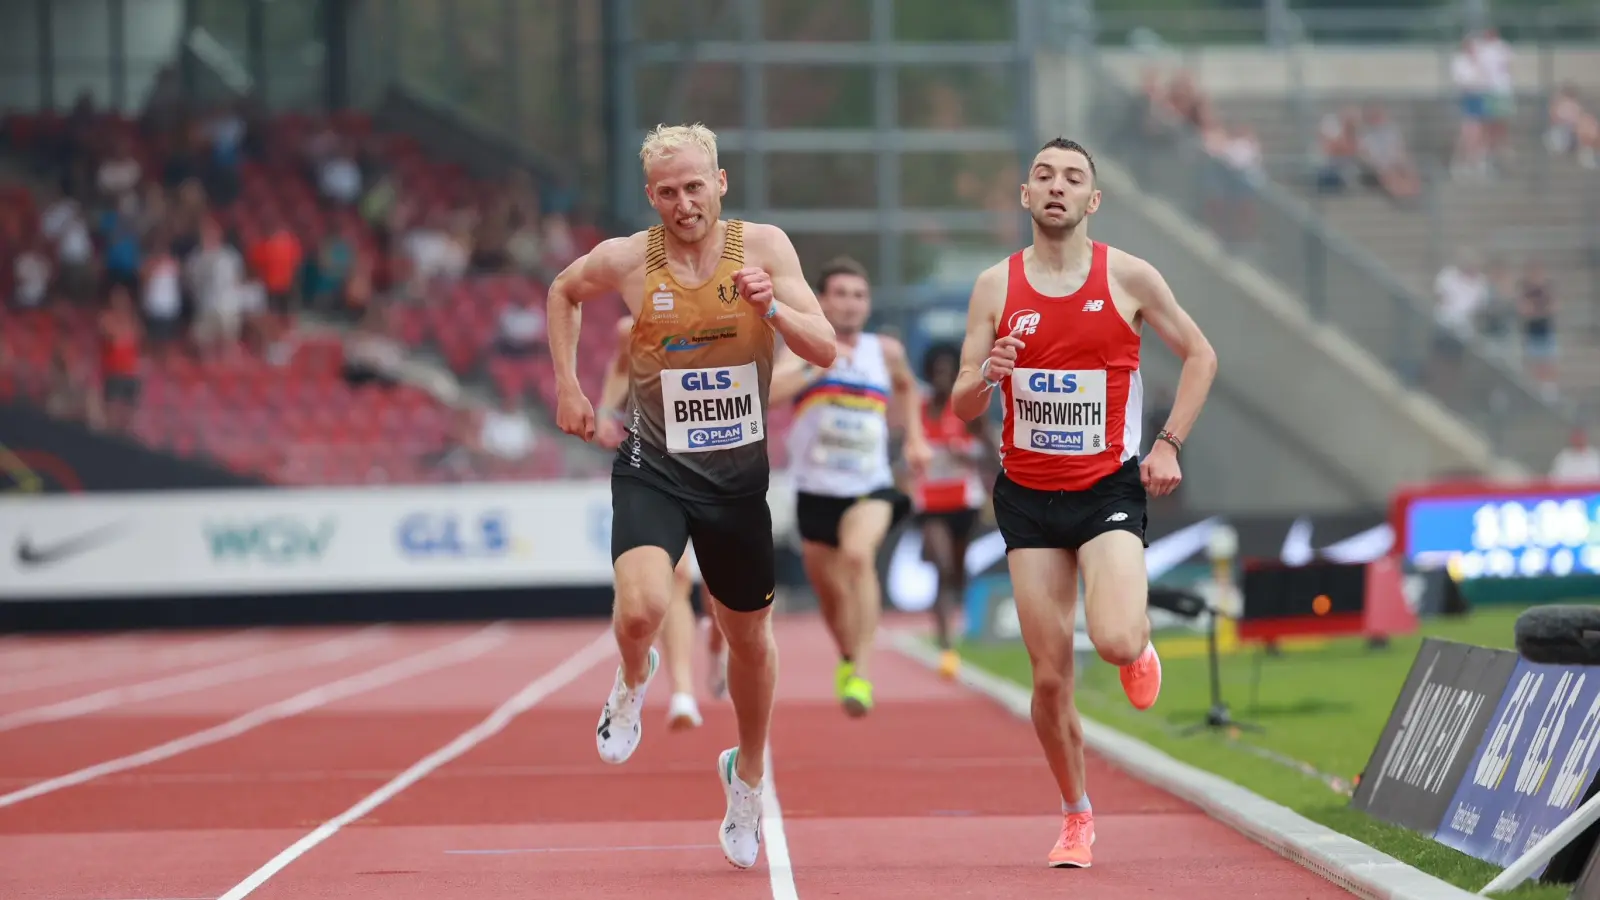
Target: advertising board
265 541
1533 766
1485 752
1439 719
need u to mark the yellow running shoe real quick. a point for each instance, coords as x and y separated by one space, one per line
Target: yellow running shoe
842 676
856 696
949 664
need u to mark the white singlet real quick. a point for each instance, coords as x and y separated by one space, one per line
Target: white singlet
839 440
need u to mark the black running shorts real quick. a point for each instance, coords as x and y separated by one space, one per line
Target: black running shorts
1066 520
960 522
817 516
732 539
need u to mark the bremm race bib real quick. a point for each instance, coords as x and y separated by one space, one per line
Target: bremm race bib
711 409
1059 411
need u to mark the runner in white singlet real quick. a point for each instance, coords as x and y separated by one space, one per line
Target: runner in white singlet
846 500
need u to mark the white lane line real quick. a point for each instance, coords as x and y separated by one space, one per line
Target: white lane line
478 643
95 665
531 695
187 682
640 848
772 834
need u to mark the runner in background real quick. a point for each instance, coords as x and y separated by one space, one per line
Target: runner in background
950 496
677 630
845 495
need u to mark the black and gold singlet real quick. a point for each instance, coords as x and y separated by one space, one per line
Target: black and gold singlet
699 368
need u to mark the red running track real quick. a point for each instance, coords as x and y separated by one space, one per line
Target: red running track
936 793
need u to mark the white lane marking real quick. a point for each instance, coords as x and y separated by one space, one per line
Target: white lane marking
520 702
778 865
398 670
634 849
187 682
94 665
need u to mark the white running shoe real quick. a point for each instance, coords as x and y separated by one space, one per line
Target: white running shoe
741 827
619 731
683 713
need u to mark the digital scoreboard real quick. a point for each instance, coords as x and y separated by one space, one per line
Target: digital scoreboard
1494 531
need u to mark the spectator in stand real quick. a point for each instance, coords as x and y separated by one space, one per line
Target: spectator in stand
1579 461
162 292
214 273
505 434
521 329
371 352
121 357
1495 59
71 394
1383 154
434 251
121 234
1538 308
1336 158
1572 129
63 225
326 275
1460 290
119 173
560 246
275 260
1499 317
490 251
31 270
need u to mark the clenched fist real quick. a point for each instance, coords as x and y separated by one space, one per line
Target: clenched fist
755 286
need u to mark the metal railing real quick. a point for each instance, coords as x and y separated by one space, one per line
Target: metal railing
1341 284
1539 28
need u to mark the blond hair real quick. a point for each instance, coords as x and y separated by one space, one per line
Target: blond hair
667 140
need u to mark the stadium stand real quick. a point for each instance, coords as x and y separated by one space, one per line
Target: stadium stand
409 250
1435 216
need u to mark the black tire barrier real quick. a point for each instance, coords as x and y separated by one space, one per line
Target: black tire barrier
1563 634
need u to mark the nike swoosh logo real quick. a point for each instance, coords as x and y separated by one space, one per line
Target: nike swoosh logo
31 554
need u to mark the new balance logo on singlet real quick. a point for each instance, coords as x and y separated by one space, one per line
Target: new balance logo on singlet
1094 306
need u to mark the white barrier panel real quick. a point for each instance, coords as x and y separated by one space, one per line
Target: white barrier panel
302 540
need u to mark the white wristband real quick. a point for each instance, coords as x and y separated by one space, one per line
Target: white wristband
983 372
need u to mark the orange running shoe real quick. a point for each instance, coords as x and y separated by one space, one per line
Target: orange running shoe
1141 679
1072 848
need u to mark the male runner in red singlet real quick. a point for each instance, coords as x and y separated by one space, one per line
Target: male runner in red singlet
951 494
1054 330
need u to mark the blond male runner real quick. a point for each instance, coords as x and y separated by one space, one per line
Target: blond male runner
1054 329
846 500
677 629
708 299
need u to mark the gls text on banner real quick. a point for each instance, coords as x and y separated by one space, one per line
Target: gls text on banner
269 541
1485 752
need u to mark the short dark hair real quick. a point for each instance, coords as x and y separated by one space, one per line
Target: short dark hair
1061 143
937 352
839 265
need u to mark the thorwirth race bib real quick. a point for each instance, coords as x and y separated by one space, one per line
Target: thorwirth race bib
1059 411
712 409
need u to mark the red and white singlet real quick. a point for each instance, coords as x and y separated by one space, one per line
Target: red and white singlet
953 482
1074 399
